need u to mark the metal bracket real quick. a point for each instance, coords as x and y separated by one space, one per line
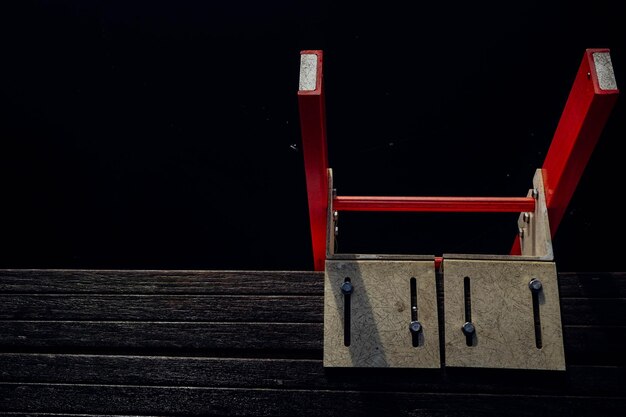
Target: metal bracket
514 324
381 314
331 218
534 228
534 231
381 310
510 324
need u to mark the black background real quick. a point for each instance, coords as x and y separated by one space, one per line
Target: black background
164 134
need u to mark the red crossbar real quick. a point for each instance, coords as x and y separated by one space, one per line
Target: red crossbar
436 204
588 107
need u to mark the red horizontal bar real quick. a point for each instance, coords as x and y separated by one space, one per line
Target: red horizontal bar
436 204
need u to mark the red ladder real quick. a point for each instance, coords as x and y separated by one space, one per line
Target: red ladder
590 102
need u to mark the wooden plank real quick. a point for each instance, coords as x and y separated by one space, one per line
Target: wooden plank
194 336
41 281
22 414
118 307
269 402
305 309
598 345
589 311
593 285
296 374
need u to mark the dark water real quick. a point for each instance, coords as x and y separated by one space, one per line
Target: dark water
164 134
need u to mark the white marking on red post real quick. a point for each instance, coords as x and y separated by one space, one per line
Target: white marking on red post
308 72
604 71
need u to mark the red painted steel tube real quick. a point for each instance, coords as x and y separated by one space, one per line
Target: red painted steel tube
588 107
438 261
313 128
586 112
436 204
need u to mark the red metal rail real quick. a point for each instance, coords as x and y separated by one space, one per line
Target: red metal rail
588 107
313 128
436 204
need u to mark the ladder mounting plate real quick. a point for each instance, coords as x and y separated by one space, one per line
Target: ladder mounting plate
380 314
502 311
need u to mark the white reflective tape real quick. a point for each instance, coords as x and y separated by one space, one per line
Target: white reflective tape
604 71
308 72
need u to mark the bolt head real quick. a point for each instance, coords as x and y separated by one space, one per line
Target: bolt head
468 328
527 217
535 285
415 327
535 193
336 230
347 288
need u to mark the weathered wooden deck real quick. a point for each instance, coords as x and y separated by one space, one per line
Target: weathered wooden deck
250 343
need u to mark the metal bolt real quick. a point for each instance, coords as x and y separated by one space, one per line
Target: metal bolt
588 75
521 232
336 230
526 217
535 193
468 328
335 215
415 327
535 285
347 288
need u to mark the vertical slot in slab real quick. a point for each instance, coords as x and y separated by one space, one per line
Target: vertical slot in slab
413 299
536 316
467 295
415 334
346 289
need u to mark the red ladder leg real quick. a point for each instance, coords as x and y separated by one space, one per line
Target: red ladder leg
588 106
313 127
